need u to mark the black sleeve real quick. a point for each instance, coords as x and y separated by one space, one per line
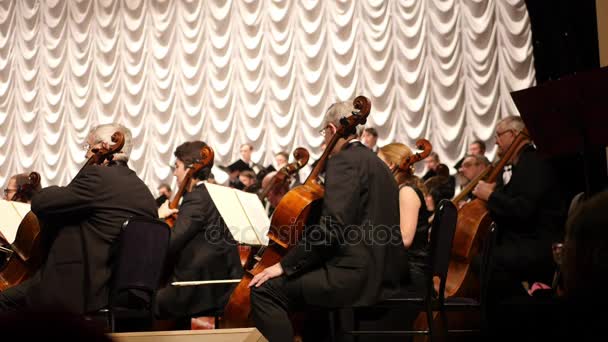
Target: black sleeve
78 198
528 183
341 200
189 222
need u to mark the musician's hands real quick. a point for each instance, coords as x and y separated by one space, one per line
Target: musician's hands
267 274
164 211
483 190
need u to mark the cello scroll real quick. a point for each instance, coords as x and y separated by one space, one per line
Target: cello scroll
407 162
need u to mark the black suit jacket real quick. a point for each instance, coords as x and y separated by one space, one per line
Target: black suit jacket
201 248
81 222
529 214
355 255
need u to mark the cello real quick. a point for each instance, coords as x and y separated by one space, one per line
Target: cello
472 226
301 157
27 250
247 257
24 256
289 220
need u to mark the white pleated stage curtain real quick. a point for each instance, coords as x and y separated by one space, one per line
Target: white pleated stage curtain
259 72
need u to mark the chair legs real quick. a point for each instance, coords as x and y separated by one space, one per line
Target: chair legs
429 322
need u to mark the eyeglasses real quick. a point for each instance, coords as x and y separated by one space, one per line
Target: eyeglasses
6 191
498 134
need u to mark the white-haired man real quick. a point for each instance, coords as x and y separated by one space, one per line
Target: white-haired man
525 204
338 263
86 218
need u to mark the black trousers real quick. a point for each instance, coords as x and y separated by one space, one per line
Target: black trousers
271 304
279 303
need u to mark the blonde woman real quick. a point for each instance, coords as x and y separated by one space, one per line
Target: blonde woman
413 212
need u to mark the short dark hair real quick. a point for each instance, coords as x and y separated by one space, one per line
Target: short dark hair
188 152
284 154
372 131
443 170
248 173
434 155
165 185
482 145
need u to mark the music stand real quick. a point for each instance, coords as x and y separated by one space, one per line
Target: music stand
570 116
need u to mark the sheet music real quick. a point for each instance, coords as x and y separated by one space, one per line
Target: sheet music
12 214
244 215
256 213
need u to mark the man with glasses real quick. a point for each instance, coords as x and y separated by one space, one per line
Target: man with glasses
82 221
20 183
526 206
472 166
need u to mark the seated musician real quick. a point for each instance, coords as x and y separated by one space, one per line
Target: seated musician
249 180
201 247
413 213
472 166
335 265
438 188
81 222
18 188
526 206
275 194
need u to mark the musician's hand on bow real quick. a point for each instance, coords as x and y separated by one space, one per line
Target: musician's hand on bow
483 190
164 211
267 274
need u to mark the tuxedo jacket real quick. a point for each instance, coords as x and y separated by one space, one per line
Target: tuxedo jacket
355 255
81 222
201 248
529 214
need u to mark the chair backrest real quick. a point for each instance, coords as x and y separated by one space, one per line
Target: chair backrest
141 254
442 235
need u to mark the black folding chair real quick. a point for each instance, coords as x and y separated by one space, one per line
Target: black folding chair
141 253
442 235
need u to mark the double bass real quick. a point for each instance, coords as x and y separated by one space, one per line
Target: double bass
27 252
288 221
